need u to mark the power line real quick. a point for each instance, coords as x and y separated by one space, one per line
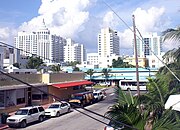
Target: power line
158 57
27 52
141 40
72 104
57 98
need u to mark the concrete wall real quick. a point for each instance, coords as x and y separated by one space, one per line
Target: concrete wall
64 77
28 78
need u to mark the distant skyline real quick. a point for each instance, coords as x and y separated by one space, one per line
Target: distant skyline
82 20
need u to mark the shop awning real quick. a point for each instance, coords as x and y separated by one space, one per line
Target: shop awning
72 84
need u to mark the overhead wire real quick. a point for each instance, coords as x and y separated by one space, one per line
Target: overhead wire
141 40
57 98
75 104
158 57
72 104
27 52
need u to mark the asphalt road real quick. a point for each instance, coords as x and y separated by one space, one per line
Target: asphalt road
76 120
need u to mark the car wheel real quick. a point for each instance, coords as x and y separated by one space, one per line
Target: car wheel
23 124
41 118
57 114
68 110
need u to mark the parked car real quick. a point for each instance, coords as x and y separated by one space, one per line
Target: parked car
57 108
26 115
104 83
82 99
98 95
113 126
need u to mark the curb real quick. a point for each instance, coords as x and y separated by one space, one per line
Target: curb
5 126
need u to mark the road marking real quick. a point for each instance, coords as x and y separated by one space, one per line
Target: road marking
111 94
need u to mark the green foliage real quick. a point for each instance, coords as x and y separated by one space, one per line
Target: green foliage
76 69
55 68
126 111
172 34
90 72
16 65
105 72
147 110
73 63
167 121
120 64
34 62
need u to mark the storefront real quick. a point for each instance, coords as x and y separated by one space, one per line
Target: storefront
15 96
64 90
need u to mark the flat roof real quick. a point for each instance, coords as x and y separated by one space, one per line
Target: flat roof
72 84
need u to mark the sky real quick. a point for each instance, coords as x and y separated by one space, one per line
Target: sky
82 20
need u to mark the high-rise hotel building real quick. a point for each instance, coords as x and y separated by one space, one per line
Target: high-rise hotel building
150 44
108 46
41 43
150 47
74 51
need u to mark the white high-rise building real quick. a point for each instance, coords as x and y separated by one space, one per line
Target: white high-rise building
41 43
1 56
108 46
151 45
150 48
74 51
92 58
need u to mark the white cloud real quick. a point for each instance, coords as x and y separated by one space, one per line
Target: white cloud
62 17
110 20
150 20
4 33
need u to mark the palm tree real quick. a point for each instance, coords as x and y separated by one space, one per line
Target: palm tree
90 72
172 34
34 62
105 72
145 113
126 111
55 68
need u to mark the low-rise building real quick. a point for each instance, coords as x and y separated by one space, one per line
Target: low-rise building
37 89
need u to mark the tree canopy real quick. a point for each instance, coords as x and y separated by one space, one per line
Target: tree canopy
34 62
120 64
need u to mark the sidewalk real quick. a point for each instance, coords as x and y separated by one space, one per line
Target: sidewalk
5 126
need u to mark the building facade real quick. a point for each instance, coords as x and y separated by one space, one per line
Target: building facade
92 58
42 43
74 51
108 45
1 56
150 47
151 44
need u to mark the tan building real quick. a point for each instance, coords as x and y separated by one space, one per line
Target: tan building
36 87
142 61
63 85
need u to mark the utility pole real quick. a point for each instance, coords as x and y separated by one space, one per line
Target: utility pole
136 57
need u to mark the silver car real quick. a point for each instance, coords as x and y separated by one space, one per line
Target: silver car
57 108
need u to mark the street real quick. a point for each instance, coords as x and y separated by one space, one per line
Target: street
76 120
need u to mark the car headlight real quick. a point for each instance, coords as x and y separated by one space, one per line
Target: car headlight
18 120
54 110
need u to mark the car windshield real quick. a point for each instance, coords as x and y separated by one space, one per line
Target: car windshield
22 112
77 97
95 94
54 106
